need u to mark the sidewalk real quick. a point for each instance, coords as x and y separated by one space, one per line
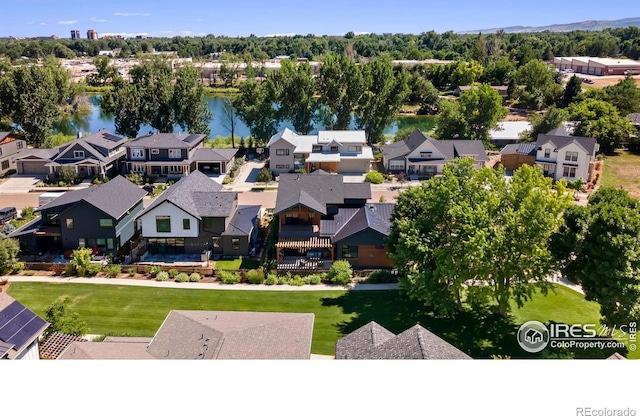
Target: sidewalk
192 285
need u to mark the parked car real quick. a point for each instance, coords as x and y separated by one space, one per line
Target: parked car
7 214
149 188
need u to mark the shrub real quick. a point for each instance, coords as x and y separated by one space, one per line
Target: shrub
93 268
315 279
155 270
17 267
229 278
182 277
271 280
173 273
340 273
296 281
132 271
374 177
381 276
81 271
194 277
162 276
82 257
282 280
113 270
255 276
69 269
265 175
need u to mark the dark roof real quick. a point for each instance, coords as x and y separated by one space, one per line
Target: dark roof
450 149
104 138
404 147
527 148
19 326
559 131
166 140
233 335
416 343
635 117
588 143
46 154
349 221
114 198
243 221
4 349
29 228
56 344
319 172
213 155
317 191
198 195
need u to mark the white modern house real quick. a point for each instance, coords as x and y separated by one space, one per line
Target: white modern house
565 157
334 151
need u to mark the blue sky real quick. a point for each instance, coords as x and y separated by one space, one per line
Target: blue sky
24 18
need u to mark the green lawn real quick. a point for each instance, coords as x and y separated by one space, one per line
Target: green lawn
139 311
236 264
622 170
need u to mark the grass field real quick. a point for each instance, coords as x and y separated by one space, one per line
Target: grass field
622 170
236 264
139 311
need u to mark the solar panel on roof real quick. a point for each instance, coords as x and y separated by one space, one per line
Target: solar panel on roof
18 324
8 313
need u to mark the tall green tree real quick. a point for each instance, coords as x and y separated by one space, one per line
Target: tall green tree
254 106
105 72
229 119
625 96
382 97
466 73
571 90
125 102
9 249
295 98
339 87
189 104
538 82
602 252
472 116
544 123
600 120
472 231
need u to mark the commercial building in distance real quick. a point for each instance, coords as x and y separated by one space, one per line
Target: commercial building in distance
597 66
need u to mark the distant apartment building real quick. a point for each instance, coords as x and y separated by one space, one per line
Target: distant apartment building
92 34
75 34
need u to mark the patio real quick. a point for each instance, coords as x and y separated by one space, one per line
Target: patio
293 263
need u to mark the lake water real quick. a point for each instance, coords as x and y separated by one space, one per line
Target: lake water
97 119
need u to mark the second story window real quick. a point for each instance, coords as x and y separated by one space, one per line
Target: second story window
282 152
163 224
571 156
547 153
155 151
175 154
186 224
19 144
316 148
106 223
78 154
355 149
137 153
334 148
69 223
425 155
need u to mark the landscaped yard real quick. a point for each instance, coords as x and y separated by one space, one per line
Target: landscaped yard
139 311
623 170
235 264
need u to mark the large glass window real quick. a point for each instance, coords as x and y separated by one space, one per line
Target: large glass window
137 153
207 222
569 172
82 243
282 152
571 156
355 148
69 223
349 252
175 154
78 154
163 224
106 223
547 153
109 243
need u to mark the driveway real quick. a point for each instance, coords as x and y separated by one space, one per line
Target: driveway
248 176
19 184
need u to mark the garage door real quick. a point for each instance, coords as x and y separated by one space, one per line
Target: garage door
354 166
209 168
32 167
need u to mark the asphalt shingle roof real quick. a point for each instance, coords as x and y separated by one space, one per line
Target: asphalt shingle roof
416 343
243 220
104 138
450 149
167 141
559 142
114 198
349 221
213 155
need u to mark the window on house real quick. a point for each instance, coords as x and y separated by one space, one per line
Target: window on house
425 155
186 224
69 223
175 169
569 172
5 164
0 151
215 241
137 167
19 145
312 215
82 243
175 154
137 153
334 148
78 154
291 214
547 153
155 151
106 223
163 224
571 156
282 166
396 165
349 252
282 152
109 243
316 148
355 148
235 244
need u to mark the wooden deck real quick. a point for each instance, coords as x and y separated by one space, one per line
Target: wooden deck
304 263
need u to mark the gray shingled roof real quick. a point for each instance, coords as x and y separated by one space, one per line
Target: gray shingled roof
213 155
104 138
559 142
233 335
198 195
317 191
450 149
114 198
404 147
416 343
349 221
4 349
243 220
45 154
107 351
167 140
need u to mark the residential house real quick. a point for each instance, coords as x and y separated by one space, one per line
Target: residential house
322 219
195 215
176 155
512 156
374 342
334 151
635 120
10 145
20 330
210 335
422 157
98 154
508 132
99 217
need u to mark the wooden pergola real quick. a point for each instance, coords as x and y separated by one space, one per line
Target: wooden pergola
307 243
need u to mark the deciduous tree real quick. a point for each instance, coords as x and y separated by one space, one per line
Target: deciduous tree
62 319
339 87
600 120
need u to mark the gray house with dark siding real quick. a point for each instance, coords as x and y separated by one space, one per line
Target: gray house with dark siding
195 215
99 217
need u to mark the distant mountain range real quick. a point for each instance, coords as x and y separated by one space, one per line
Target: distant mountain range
566 27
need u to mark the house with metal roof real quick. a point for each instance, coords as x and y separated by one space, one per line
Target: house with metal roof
195 215
176 155
20 330
322 219
210 335
99 154
11 144
421 157
512 156
334 151
374 342
99 217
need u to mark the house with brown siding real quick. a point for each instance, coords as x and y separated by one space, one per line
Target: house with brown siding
513 156
322 219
